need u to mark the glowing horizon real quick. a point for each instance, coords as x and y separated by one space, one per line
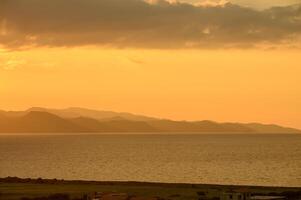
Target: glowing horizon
192 85
226 62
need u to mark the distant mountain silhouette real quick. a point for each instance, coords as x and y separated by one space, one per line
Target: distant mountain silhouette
270 128
78 120
95 114
201 126
92 125
38 122
113 125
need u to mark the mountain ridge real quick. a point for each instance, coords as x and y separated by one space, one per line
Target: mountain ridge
80 120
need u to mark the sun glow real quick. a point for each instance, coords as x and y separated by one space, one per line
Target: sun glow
178 84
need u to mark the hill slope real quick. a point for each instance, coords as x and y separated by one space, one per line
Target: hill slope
76 120
95 114
38 122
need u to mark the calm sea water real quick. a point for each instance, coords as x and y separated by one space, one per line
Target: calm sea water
273 160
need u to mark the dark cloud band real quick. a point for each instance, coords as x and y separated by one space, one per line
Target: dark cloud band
138 24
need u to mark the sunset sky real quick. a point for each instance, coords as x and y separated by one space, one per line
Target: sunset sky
233 61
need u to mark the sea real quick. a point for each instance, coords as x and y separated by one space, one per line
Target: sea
231 159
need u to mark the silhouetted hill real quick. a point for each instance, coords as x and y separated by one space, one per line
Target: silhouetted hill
94 125
132 126
201 126
117 124
43 122
270 128
236 127
37 120
95 114
117 118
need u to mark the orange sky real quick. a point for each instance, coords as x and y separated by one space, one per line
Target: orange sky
236 60
222 85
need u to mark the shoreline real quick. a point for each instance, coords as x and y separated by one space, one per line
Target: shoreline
135 183
14 188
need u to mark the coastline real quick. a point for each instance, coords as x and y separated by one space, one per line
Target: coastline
13 188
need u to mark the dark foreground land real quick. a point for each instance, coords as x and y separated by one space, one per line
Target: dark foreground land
12 188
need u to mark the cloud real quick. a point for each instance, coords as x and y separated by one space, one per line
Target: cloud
136 60
12 64
211 3
144 24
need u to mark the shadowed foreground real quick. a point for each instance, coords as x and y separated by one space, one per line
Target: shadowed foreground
15 188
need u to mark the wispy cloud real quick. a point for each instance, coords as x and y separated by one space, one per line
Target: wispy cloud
136 60
211 3
142 24
12 63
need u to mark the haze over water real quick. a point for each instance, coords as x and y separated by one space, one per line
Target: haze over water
273 160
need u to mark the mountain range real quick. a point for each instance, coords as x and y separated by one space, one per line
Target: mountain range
80 120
